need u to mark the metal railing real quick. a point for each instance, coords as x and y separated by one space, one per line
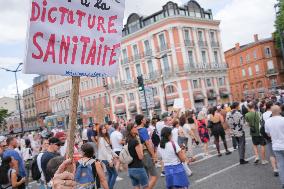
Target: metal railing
215 44
189 43
202 44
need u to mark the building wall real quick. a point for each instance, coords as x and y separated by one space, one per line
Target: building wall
29 106
8 103
266 73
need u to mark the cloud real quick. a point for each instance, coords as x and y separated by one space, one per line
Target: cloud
11 90
9 61
241 19
13 20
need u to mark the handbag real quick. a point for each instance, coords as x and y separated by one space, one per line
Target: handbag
185 166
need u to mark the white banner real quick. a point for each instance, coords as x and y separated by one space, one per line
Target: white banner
74 37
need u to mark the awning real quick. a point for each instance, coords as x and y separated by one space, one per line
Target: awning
211 95
132 108
198 97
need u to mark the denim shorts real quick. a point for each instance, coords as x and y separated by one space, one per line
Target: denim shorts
138 177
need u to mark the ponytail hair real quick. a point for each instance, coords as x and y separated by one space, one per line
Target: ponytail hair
4 168
165 136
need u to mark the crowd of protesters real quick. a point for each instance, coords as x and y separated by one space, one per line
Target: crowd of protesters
166 141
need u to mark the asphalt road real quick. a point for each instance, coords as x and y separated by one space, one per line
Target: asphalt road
223 172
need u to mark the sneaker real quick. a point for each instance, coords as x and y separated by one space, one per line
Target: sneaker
256 161
276 174
163 174
264 162
219 155
119 179
242 162
228 152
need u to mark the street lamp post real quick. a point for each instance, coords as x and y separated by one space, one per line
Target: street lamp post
18 95
163 82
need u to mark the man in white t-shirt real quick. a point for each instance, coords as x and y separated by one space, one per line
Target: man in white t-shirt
116 139
165 122
84 134
274 127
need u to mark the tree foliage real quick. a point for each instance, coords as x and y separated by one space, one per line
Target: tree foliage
279 23
3 115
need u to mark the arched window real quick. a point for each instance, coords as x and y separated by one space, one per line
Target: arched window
170 89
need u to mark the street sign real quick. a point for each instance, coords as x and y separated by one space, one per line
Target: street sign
149 98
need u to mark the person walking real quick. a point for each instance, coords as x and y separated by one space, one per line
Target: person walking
266 115
11 152
274 127
236 123
106 155
150 157
136 170
173 156
216 125
203 132
253 119
85 134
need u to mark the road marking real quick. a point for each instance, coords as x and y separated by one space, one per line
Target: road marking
221 171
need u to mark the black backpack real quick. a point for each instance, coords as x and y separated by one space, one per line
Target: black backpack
155 138
36 174
262 129
244 110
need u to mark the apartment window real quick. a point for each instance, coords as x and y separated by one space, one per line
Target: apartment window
204 58
250 71
138 70
243 72
190 57
255 54
273 82
166 63
155 91
195 84
257 69
200 36
170 89
267 52
135 50
127 73
131 97
248 58
124 54
150 66
221 81
119 100
216 56
147 46
208 82
270 65
212 36
241 59
186 35
162 40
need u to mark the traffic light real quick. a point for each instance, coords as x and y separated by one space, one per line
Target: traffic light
140 83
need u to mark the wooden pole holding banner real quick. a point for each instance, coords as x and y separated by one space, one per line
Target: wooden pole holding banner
73 117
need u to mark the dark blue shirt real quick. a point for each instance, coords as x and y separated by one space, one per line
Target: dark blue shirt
44 161
16 156
91 133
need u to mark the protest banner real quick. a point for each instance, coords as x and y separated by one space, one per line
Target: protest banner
74 38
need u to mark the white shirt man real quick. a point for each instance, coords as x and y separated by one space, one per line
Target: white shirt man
84 134
116 139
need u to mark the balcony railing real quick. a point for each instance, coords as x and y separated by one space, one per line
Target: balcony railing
204 67
202 44
163 47
63 94
271 72
215 44
137 57
189 43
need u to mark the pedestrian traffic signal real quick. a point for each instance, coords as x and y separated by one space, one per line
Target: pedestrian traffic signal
140 83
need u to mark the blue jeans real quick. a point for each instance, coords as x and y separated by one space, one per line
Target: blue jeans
138 177
280 162
112 174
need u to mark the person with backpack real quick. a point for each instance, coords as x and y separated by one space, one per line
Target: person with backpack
136 170
265 116
106 155
150 157
253 118
173 157
89 172
8 174
236 123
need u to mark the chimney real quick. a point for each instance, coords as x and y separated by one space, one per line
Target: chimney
237 46
255 37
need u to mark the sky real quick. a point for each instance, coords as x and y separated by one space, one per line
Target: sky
240 20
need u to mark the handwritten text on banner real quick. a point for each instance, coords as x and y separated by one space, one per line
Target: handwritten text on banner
74 36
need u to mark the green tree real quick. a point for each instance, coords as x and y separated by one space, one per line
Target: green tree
3 115
279 23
